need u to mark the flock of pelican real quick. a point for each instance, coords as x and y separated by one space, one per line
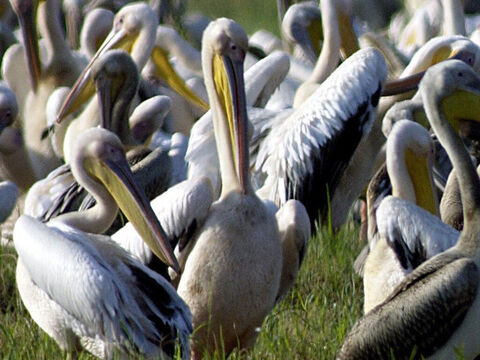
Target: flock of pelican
166 190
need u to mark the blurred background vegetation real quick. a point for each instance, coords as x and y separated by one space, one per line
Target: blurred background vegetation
251 14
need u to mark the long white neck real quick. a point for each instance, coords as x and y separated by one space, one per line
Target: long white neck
98 218
51 30
330 54
402 185
468 181
143 47
453 18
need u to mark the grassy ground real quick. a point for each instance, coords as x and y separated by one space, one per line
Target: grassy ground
309 323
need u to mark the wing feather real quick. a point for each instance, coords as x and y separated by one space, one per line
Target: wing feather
413 233
421 315
309 152
110 295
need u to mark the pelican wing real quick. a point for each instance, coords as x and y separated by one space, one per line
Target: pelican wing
264 77
420 316
308 153
54 195
414 234
98 284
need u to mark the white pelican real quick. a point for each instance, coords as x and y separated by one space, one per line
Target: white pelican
84 290
451 202
295 151
294 227
73 14
116 80
228 299
304 156
302 27
60 68
134 31
361 166
406 235
434 311
261 82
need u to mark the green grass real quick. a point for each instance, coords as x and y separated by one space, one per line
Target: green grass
309 323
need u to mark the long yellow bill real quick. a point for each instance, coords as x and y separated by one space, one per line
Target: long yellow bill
165 70
83 89
411 82
228 78
422 179
463 104
118 179
402 85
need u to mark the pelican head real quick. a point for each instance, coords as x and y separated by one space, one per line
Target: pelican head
100 162
116 79
133 31
223 53
302 24
148 116
455 88
26 11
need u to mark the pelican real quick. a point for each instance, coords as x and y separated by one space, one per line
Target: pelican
434 311
85 291
292 148
74 17
228 300
262 80
361 166
134 27
116 78
294 228
61 68
133 30
406 236
303 152
301 25
451 203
